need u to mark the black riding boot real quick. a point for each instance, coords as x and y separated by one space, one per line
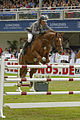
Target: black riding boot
24 47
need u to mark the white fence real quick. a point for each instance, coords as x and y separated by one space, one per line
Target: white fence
33 13
2 68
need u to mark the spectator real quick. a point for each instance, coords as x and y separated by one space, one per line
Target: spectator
10 50
64 52
8 4
72 57
15 53
5 52
0 52
67 45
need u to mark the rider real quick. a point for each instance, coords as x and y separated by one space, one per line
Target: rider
38 27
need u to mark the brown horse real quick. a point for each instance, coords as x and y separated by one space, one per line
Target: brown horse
38 51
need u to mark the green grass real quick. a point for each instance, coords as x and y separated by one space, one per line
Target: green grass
43 114
10 74
70 113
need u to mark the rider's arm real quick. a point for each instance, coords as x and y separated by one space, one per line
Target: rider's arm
47 27
34 29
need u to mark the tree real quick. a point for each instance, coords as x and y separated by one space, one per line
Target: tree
13 44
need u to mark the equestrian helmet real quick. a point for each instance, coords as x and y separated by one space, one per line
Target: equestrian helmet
44 17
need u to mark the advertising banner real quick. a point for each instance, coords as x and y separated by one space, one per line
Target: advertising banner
70 71
57 25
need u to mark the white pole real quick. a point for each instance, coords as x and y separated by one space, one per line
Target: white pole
18 75
43 93
18 68
1 86
41 79
43 66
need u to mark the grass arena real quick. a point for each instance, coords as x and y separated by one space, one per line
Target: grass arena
65 107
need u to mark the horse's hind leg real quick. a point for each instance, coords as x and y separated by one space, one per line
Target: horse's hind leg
23 71
31 75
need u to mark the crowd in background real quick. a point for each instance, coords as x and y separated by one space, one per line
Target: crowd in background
8 4
8 52
67 55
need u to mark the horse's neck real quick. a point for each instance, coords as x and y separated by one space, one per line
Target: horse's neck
50 31
46 37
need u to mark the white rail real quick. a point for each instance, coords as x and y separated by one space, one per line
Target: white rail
41 79
43 93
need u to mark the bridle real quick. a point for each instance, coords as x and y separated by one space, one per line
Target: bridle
55 43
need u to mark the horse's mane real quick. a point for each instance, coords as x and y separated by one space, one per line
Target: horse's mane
46 34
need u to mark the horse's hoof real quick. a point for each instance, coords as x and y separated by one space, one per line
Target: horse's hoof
18 89
19 84
44 59
32 89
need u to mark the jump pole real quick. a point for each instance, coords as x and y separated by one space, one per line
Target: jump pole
43 93
10 59
1 86
40 79
43 66
18 75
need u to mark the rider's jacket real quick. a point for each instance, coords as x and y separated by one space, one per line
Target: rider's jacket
37 28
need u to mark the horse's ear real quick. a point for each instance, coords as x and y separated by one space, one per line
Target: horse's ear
56 34
62 34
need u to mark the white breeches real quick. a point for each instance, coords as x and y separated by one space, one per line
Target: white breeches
30 37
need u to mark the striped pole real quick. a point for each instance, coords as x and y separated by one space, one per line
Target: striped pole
13 84
10 77
43 66
11 60
41 79
43 93
25 85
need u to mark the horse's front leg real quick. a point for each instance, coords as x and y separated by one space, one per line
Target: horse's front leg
39 57
47 57
47 60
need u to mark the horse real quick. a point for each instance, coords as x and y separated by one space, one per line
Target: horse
38 51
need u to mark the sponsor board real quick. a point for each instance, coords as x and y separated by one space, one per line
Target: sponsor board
71 71
56 25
